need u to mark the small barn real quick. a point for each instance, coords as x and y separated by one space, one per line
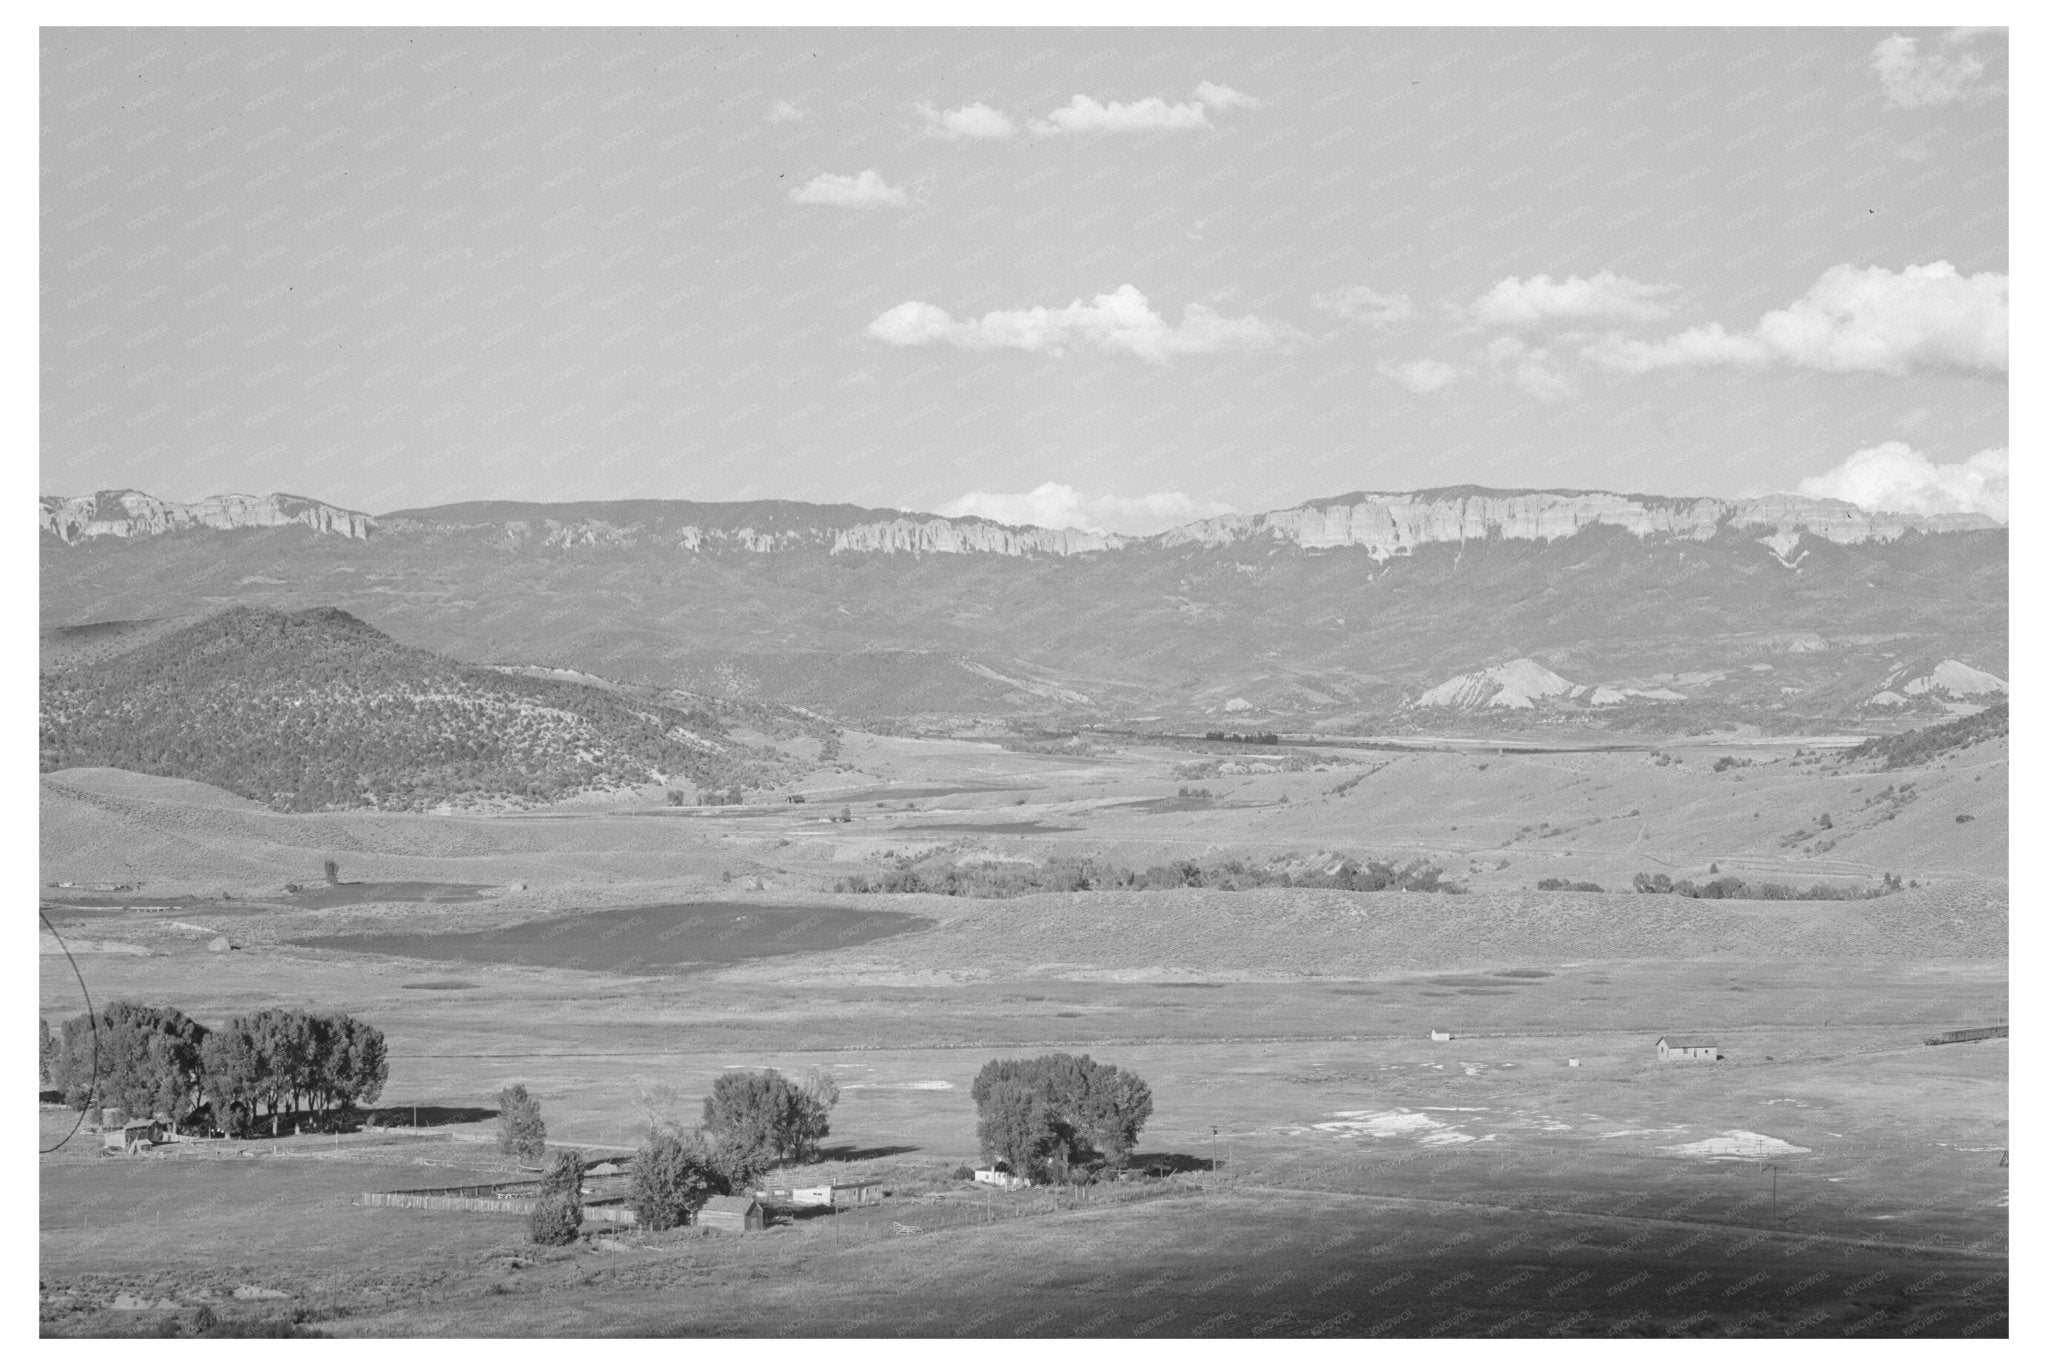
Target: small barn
1440 1035
1687 1050
134 1135
733 1212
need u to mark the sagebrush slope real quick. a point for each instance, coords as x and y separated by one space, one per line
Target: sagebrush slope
315 710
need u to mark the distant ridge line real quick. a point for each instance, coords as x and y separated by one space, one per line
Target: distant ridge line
1383 524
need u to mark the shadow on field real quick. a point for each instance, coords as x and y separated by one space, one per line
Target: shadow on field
1170 1163
849 1152
429 1116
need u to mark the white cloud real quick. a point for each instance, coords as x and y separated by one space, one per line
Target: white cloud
1359 303
1120 321
1223 97
968 121
1913 79
1083 115
1516 302
1922 318
1529 368
782 111
848 191
1058 505
1893 477
1422 376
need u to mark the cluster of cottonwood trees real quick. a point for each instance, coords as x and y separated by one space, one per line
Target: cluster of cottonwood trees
273 1064
1060 1116
752 1120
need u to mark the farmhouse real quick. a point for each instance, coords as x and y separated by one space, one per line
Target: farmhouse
1440 1035
733 1212
1000 1177
1687 1050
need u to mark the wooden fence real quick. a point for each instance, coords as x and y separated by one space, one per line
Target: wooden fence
457 1203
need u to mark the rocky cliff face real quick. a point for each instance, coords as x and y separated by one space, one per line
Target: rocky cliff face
699 534
939 535
1383 524
1388 524
125 512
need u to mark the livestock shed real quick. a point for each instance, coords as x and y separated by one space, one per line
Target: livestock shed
134 1135
826 1196
733 1212
1687 1050
1970 1035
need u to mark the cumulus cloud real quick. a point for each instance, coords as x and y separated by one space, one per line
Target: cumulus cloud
1922 318
1223 97
849 191
1359 303
1421 376
1084 115
1540 300
782 111
1894 477
1528 368
968 121
1058 505
1117 322
1913 79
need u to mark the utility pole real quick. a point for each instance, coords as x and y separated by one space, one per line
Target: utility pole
1212 1149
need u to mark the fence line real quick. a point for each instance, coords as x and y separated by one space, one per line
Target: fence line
452 1203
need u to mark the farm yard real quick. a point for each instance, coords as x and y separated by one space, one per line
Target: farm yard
1323 1166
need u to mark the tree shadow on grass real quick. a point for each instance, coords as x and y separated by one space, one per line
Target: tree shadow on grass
429 1115
850 1152
1170 1163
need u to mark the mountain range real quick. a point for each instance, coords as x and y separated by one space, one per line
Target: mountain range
1338 610
1383 524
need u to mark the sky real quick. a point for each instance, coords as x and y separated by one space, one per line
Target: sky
1108 278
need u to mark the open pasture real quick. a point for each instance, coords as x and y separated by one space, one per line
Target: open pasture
1494 822
1340 1173
1358 1166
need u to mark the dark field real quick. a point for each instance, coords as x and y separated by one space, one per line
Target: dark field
1012 827
653 938
319 897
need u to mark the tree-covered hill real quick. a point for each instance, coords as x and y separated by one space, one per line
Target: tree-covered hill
316 710
1916 748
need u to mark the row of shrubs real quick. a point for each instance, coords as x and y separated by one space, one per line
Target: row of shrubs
1736 889
997 880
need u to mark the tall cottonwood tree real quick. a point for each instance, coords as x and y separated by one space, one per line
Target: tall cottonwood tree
521 1130
144 1059
766 1110
1048 1115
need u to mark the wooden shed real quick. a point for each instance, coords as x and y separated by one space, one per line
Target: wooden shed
1687 1050
134 1135
733 1212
